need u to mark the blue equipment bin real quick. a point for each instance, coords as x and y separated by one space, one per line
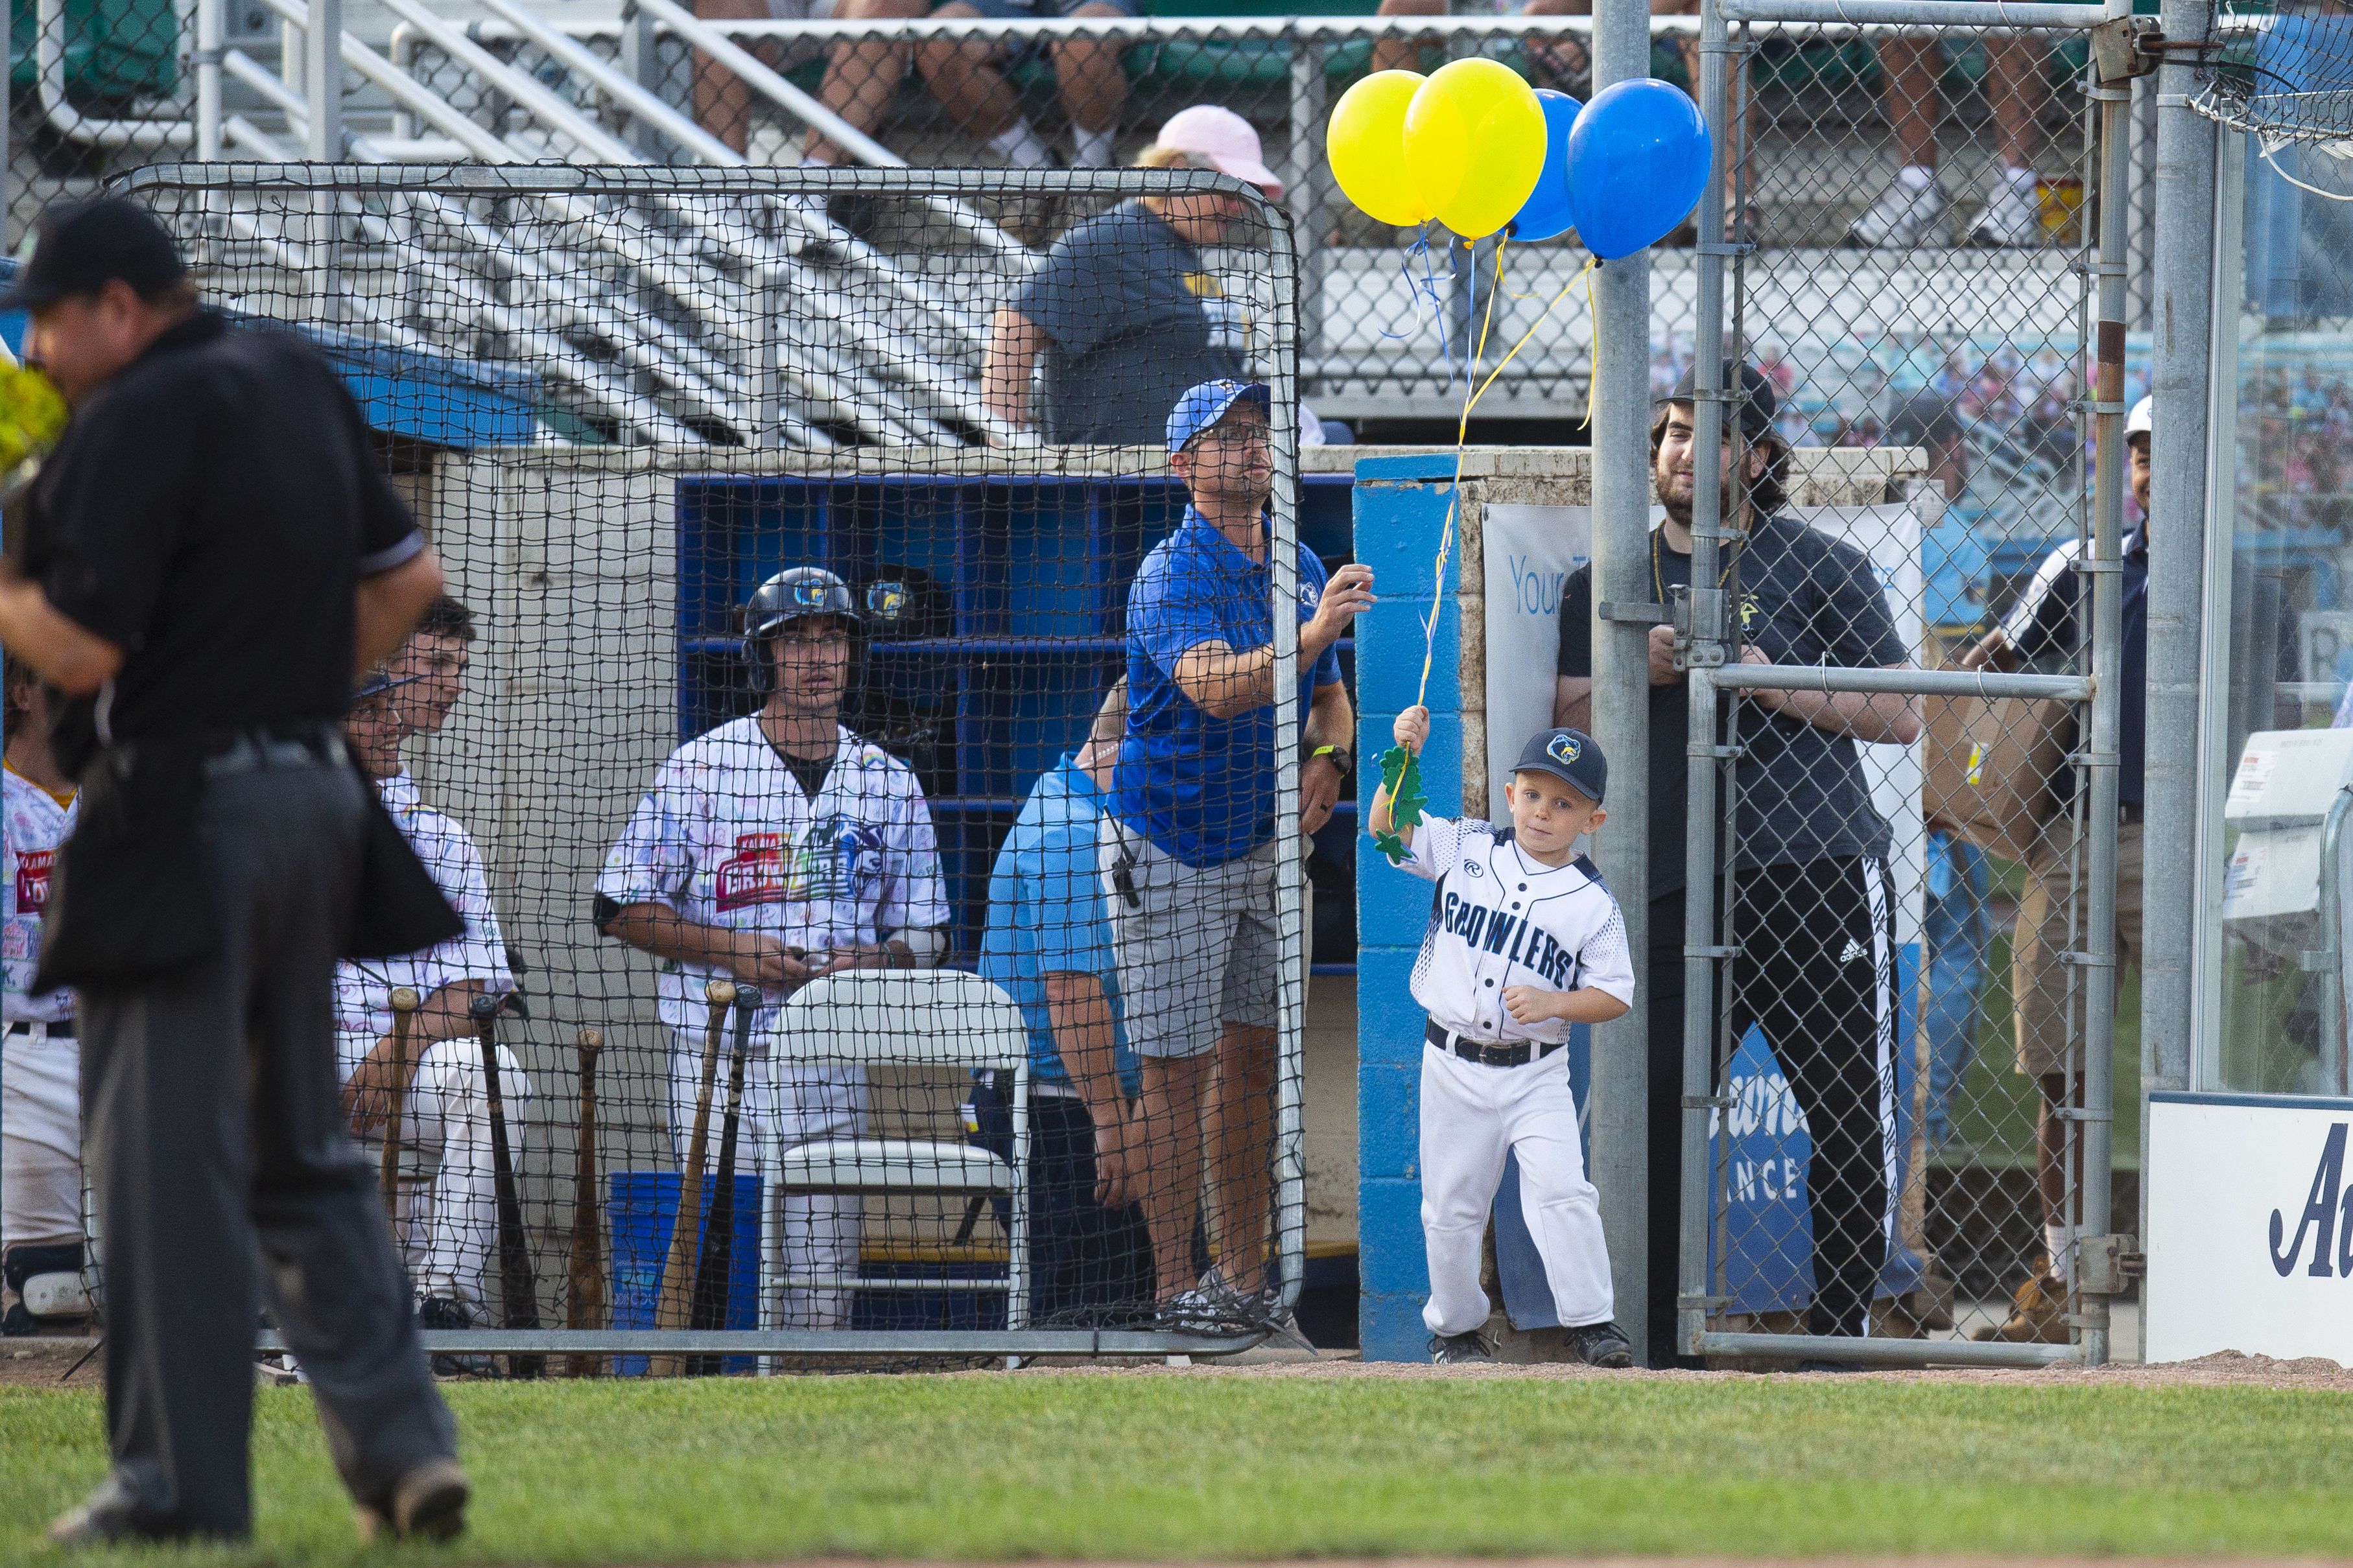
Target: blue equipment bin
641 1207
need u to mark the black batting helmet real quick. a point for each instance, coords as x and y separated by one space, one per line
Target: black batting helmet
788 597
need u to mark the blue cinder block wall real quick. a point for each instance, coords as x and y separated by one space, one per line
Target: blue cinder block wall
1400 510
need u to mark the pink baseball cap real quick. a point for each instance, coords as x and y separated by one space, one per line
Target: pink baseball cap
1226 140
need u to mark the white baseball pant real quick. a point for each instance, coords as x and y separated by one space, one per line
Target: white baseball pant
40 1139
811 1239
448 1231
1471 1116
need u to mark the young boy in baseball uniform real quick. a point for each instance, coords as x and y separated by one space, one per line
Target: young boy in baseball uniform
1524 939
40 1061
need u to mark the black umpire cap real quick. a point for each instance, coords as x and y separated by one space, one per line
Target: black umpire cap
1756 414
78 247
1571 756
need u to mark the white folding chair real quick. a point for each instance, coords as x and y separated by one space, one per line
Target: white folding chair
939 1017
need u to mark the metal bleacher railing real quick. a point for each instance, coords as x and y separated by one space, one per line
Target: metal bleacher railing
134 82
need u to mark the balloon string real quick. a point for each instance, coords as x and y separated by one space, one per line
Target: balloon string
1454 501
1524 338
1425 289
1593 322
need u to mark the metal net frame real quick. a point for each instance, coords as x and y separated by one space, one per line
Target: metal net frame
1898 958
942 972
2283 73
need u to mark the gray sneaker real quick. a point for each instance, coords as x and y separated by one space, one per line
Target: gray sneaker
1460 1350
1600 1344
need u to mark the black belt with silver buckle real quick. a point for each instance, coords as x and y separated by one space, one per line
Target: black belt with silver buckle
1488 1053
61 1030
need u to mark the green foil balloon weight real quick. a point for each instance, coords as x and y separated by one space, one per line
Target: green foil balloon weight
1401 776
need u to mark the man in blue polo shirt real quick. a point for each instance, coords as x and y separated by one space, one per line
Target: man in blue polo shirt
1189 850
1049 945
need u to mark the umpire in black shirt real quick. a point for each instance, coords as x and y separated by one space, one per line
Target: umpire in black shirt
208 557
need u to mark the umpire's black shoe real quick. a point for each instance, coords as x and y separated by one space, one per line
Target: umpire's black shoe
1599 1344
428 1503
446 1314
1460 1350
111 1517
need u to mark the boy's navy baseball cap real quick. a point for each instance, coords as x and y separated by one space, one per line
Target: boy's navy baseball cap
1571 756
1203 405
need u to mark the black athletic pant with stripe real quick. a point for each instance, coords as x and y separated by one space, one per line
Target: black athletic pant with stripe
1817 974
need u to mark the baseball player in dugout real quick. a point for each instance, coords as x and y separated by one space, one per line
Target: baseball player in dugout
1810 902
207 559
774 849
41 1064
1524 939
446 1193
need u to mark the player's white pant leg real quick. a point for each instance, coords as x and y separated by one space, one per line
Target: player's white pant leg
1562 1208
812 1239
1462 1149
40 1141
448 1113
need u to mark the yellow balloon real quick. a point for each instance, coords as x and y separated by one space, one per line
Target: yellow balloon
1364 141
1474 145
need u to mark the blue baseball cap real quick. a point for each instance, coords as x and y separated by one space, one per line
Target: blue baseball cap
1571 756
1203 405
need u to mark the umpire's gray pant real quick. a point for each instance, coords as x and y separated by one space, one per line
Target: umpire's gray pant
219 1142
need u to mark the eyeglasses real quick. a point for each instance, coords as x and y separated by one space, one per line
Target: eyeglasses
1244 434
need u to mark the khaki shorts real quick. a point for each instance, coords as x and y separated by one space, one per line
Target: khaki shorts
1197 945
2049 1028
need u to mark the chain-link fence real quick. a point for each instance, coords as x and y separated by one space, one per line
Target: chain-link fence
838 823
1901 941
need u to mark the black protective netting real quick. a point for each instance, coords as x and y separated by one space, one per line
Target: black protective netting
830 794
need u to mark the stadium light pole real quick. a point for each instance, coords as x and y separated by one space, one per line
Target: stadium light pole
1621 701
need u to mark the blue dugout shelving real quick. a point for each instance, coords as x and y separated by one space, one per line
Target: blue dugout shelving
1013 626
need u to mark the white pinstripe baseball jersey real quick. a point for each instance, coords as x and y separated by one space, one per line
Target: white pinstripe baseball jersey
1501 918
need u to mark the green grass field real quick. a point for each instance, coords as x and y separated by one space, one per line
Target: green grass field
1166 1467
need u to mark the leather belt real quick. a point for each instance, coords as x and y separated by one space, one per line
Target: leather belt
1489 1053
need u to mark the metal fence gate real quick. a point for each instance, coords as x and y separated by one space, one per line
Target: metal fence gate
1895 968
623 399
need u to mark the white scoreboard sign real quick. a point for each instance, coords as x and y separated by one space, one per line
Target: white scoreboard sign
2250 1218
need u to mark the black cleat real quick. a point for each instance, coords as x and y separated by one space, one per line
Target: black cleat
1601 1344
447 1314
1460 1350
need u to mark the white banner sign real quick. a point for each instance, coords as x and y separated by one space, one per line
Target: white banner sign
2250 1227
1530 551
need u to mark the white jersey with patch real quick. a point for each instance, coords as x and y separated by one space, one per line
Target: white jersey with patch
726 838
36 825
363 989
1499 919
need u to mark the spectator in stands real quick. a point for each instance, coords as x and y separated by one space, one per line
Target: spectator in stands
1911 211
1567 63
1122 311
969 78
1809 899
1188 853
1049 945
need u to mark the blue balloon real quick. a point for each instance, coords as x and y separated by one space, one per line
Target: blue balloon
1638 159
1545 212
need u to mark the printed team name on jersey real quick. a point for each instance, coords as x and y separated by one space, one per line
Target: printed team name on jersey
830 861
33 879
1493 930
755 874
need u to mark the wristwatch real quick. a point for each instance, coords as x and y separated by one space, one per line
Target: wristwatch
1340 757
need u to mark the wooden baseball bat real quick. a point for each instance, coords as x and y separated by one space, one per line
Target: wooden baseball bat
405 1003
673 1309
584 1300
719 1234
516 1282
